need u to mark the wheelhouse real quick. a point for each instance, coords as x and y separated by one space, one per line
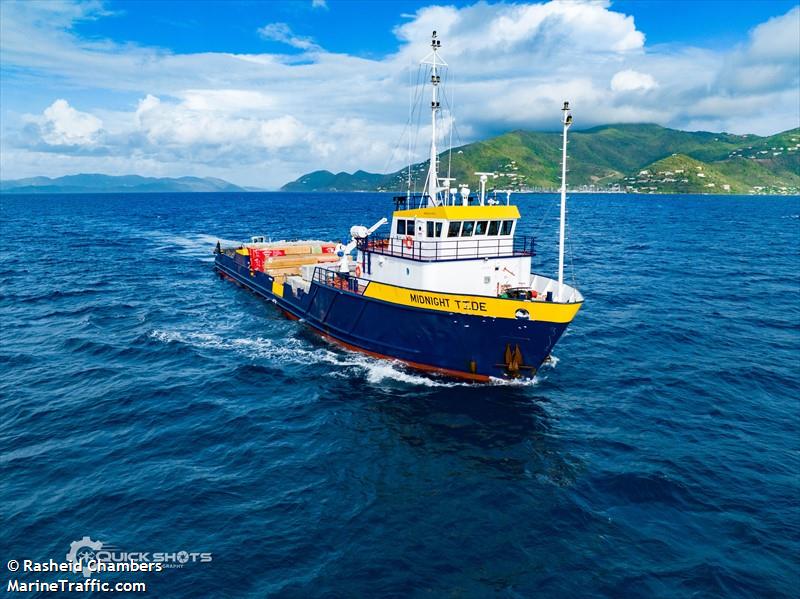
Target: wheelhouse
452 233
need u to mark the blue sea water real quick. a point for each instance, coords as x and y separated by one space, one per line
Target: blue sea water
154 407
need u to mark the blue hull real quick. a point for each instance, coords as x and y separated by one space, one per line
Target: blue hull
474 347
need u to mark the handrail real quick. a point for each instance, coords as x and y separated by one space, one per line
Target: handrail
340 281
463 248
421 200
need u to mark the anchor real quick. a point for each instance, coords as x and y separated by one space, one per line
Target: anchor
514 363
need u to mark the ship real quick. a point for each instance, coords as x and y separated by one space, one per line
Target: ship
448 288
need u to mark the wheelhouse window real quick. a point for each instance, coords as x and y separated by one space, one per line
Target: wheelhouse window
494 227
468 228
480 227
454 228
434 229
405 227
508 225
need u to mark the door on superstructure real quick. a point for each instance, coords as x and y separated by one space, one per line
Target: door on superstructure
420 243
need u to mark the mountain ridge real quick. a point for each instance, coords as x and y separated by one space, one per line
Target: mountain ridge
602 158
100 183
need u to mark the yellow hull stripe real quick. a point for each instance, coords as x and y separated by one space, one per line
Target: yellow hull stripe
476 305
277 288
461 212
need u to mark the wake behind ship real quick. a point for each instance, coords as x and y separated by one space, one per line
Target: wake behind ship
449 288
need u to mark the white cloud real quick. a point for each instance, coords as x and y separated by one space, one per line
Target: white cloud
778 38
227 100
190 123
262 119
514 33
281 32
62 125
630 80
768 61
319 4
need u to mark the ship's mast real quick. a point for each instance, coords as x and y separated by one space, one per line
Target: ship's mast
566 121
433 59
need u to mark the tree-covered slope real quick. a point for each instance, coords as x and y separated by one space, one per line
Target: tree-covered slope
603 157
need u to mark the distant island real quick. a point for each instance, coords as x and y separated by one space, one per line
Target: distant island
93 183
625 158
611 158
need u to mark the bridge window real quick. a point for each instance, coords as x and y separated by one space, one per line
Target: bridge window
480 227
405 227
434 229
507 226
454 228
466 230
494 227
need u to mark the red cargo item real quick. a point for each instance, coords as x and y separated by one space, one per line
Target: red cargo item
275 252
329 249
257 259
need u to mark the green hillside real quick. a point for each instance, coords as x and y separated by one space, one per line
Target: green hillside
603 158
683 174
761 165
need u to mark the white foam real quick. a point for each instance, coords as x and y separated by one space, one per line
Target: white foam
197 244
287 350
521 382
552 362
291 350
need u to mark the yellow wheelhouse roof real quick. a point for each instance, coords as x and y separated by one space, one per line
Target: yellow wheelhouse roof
460 212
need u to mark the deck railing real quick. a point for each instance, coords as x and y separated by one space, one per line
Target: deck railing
345 282
422 200
462 248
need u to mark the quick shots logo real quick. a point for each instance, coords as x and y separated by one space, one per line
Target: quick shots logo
169 559
91 557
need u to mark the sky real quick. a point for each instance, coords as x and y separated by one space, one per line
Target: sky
259 93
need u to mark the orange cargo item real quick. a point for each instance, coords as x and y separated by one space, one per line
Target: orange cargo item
282 261
300 249
292 250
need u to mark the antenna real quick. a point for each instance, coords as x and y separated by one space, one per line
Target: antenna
566 121
484 177
446 188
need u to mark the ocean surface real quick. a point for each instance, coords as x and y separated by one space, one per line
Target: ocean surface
152 406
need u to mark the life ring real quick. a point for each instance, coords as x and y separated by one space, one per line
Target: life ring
358 270
408 242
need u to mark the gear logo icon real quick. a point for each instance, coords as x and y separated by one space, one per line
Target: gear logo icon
83 552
